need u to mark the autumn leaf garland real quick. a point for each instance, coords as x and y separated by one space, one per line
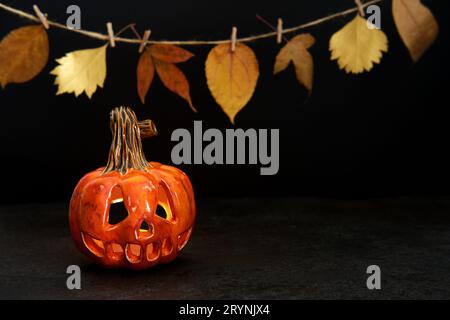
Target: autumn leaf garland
231 75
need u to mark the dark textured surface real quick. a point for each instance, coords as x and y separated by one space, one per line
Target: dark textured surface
248 248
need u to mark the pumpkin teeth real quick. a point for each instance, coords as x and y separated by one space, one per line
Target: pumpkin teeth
152 251
95 246
114 251
183 238
133 252
167 247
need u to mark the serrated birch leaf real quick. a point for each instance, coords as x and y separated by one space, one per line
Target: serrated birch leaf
81 71
296 51
416 24
23 54
356 47
231 76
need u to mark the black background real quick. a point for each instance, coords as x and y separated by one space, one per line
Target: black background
383 133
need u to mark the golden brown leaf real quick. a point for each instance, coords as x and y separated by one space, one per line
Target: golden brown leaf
296 51
232 76
81 70
163 58
169 53
416 24
145 74
174 80
23 54
357 47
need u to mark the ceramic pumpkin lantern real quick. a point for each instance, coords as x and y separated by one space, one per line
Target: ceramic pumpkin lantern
157 203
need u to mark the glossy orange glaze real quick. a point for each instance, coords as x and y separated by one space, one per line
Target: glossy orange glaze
125 244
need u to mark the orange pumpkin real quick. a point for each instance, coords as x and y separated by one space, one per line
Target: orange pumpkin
158 202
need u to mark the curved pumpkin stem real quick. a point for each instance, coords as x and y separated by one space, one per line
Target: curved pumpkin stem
126 147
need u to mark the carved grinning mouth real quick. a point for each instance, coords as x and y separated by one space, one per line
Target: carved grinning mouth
134 253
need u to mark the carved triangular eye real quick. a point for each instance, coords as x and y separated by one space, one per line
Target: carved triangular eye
164 209
117 210
161 212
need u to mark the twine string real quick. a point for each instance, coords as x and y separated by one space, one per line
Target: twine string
105 37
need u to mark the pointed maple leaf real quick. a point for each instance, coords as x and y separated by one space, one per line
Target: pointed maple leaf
174 80
145 74
163 58
169 53
296 51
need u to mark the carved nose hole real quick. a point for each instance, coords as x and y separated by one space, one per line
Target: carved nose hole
144 226
145 230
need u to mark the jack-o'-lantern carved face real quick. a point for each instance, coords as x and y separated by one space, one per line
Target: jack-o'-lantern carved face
131 213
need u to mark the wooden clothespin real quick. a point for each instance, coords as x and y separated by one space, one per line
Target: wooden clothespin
41 17
360 8
233 38
109 26
280 30
145 38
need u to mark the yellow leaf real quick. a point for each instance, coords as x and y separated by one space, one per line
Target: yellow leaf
357 47
23 54
416 24
232 76
81 70
296 51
